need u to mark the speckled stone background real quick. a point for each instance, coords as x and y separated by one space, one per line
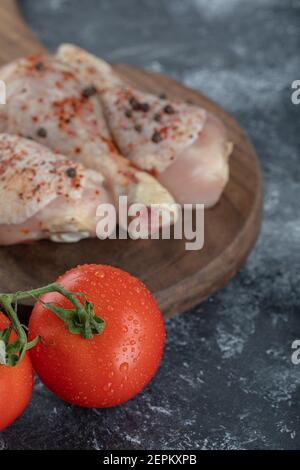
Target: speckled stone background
227 380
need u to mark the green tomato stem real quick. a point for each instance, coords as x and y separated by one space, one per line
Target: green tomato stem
79 320
19 346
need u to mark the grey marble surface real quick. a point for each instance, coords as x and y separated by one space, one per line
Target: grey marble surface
226 381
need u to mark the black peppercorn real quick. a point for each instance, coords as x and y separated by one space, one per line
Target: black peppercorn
39 66
138 128
156 138
71 172
89 91
134 104
41 132
169 109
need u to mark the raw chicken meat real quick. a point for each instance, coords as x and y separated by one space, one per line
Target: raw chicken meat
48 103
89 68
185 147
202 169
45 195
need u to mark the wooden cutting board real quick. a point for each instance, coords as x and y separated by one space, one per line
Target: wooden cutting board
178 278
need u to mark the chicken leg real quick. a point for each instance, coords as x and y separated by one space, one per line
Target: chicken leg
45 195
184 146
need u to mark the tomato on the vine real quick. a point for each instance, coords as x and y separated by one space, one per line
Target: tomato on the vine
15 385
114 365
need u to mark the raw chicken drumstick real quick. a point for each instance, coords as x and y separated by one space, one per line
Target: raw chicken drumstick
47 102
45 195
185 147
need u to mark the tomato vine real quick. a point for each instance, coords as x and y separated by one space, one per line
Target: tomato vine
80 319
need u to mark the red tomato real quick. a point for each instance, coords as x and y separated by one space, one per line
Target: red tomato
113 366
15 385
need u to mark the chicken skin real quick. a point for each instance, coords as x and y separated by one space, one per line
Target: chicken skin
185 147
45 195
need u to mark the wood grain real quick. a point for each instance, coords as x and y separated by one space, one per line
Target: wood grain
178 278
16 39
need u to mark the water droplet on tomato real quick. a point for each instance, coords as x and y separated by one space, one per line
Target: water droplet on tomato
124 367
107 386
